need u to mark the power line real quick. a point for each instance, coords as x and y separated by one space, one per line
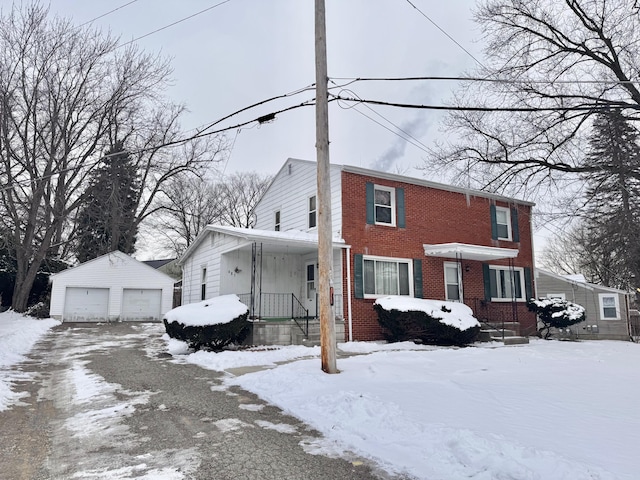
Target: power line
174 23
483 79
108 13
604 106
447 35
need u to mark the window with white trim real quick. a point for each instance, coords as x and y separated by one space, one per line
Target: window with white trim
503 223
609 306
385 205
561 296
452 283
277 220
387 276
312 211
506 283
203 284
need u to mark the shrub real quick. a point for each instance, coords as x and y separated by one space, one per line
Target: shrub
211 325
428 321
555 313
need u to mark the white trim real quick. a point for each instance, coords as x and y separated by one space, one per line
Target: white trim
507 212
408 261
349 316
561 296
617 306
458 268
468 252
392 198
520 272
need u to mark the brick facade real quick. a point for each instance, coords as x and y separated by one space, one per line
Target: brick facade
433 216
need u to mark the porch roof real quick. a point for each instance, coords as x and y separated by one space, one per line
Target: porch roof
469 252
291 241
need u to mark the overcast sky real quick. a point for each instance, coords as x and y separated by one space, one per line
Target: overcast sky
245 51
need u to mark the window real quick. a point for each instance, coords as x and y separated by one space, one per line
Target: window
277 221
452 283
503 223
506 283
203 285
385 205
311 281
312 211
561 296
609 306
387 276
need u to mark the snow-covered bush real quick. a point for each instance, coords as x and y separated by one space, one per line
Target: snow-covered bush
212 324
434 322
555 313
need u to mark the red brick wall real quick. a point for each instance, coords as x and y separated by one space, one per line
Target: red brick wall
432 216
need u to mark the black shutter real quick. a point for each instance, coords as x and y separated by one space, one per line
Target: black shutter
371 213
528 285
400 207
417 278
358 288
514 225
486 275
494 222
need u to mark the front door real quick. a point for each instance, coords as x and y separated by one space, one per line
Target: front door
311 275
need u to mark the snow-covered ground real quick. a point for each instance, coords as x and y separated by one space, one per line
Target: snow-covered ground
18 334
548 410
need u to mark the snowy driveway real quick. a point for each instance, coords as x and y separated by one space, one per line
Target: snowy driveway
106 402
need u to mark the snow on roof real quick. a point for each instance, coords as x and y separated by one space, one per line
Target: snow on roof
214 311
459 315
578 277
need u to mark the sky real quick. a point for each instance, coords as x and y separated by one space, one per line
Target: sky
245 51
550 410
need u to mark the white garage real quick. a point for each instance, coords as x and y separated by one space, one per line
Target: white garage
113 287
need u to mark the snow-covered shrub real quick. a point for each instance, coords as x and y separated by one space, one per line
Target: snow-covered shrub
211 325
555 313
434 322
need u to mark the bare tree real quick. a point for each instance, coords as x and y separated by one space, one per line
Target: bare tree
66 95
556 61
192 204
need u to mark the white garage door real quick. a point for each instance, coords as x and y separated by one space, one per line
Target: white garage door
141 305
86 304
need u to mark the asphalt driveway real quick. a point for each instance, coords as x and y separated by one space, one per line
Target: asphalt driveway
108 402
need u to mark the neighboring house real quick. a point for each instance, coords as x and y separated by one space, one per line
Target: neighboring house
170 267
112 287
607 309
392 234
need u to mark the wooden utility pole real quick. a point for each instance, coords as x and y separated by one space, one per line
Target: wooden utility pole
325 246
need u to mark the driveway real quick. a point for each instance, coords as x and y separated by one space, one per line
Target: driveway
108 402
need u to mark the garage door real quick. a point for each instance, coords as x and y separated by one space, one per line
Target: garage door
141 305
86 304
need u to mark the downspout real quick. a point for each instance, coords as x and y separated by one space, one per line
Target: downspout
349 317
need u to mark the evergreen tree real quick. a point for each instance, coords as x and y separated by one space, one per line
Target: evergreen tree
107 219
612 218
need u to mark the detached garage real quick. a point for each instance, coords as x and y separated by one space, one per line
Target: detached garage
113 287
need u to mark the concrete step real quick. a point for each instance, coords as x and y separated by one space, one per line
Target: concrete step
516 340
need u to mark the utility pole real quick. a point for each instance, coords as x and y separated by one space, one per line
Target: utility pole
325 246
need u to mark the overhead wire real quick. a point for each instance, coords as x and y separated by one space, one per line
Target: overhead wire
108 13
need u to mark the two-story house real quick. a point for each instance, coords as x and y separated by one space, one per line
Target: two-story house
392 235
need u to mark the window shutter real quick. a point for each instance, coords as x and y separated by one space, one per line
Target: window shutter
494 223
371 214
417 278
486 275
357 276
528 287
515 234
400 207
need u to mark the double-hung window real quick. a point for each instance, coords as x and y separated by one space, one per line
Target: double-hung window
385 205
203 284
452 283
387 276
277 220
506 283
312 211
503 223
609 306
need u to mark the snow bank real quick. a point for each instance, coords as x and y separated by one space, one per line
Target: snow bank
214 311
18 335
458 315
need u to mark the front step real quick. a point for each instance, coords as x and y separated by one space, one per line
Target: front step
516 340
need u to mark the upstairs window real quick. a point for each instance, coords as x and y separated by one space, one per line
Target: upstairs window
504 223
385 205
312 212
277 221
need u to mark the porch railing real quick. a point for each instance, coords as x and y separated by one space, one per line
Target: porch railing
278 306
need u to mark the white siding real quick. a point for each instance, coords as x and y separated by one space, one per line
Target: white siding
115 271
289 193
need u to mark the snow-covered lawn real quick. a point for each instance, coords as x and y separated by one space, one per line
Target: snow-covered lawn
18 334
547 410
